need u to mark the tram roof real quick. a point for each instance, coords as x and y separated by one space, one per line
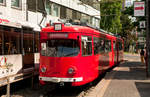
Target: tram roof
80 28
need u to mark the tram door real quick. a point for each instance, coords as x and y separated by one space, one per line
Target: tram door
28 49
115 52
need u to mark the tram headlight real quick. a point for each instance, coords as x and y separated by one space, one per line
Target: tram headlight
43 69
71 71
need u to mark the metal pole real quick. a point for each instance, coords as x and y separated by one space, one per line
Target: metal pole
8 87
147 40
32 79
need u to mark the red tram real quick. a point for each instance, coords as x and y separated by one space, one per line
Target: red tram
76 54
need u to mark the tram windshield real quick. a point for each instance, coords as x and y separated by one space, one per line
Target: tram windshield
60 48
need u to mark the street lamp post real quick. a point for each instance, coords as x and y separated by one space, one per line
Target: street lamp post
148 38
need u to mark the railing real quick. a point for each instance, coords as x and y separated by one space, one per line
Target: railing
17 77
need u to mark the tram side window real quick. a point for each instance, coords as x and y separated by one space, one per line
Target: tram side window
96 45
12 37
16 3
102 45
107 45
99 45
28 40
86 45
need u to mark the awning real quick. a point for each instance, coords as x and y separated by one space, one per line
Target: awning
18 24
31 25
10 23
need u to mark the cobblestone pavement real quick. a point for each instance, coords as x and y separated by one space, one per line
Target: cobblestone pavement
127 80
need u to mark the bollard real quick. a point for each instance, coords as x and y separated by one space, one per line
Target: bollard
8 87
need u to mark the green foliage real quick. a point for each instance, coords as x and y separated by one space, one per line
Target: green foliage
127 24
128 27
129 11
110 15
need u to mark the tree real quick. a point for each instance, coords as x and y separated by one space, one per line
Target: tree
128 28
127 24
110 15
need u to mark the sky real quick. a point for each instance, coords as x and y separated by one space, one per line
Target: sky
129 2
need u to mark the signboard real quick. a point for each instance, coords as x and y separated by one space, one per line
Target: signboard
142 24
10 65
6 22
139 8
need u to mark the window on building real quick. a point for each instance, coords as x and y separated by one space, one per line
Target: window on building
78 15
48 8
91 18
36 5
2 1
56 10
93 21
16 3
12 38
74 14
86 45
31 5
68 13
40 6
63 12
28 40
85 18
97 23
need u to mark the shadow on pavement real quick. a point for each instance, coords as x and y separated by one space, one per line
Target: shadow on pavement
130 71
143 88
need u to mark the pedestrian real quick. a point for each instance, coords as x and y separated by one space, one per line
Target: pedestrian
142 55
14 51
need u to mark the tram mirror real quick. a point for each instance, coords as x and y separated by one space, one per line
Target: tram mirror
43 46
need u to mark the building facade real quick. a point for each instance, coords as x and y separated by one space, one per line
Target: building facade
29 16
20 25
30 12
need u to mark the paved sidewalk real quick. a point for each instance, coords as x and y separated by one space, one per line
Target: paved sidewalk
127 80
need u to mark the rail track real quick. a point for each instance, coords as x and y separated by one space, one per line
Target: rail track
25 89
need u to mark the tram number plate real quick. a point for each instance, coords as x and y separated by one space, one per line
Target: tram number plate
55 80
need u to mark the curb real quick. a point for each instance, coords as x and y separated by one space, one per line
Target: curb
101 87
